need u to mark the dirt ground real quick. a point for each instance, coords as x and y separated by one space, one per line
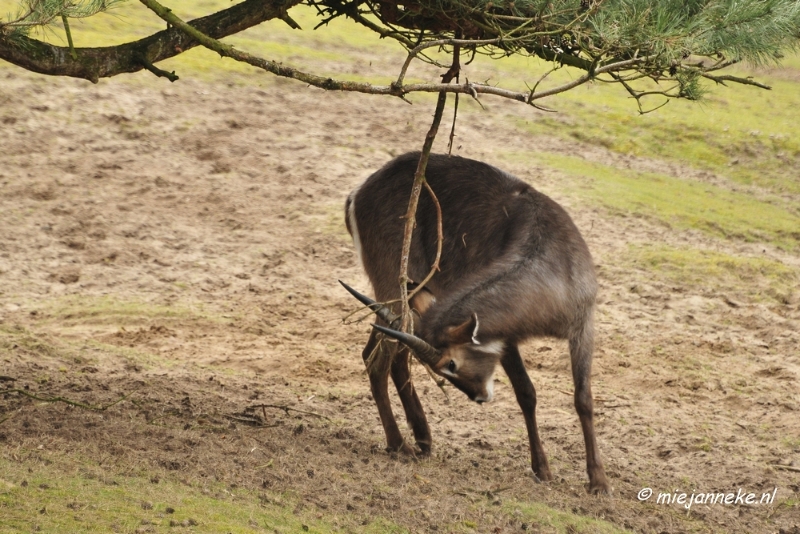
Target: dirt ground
180 244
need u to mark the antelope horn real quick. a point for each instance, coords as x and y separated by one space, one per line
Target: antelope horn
422 349
380 310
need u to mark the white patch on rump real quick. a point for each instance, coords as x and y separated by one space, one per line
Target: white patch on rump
351 217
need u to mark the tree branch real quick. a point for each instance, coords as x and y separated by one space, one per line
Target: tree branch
439 240
103 62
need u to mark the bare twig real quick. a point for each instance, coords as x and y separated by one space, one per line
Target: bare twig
440 42
171 76
786 467
438 380
646 111
370 312
67 401
540 80
378 349
9 416
288 409
728 78
453 127
638 95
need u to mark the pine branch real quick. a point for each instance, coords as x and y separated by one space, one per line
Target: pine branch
635 39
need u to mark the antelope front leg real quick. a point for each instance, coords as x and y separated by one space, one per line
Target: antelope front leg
378 366
526 397
415 415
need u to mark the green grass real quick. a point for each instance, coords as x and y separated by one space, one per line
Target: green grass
108 310
545 518
72 355
54 492
759 279
682 203
742 133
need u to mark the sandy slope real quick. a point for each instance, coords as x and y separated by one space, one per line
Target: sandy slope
183 242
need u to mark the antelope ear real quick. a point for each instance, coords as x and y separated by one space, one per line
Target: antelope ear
466 332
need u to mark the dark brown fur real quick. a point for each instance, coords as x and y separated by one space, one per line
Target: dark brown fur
513 264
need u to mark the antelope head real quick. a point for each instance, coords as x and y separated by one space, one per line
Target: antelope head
460 357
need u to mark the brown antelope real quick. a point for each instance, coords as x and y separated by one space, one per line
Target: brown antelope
513 266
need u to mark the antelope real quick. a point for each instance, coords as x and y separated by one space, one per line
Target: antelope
513 266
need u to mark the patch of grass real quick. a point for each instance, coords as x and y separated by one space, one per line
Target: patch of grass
53 492
109 310
738 132
69 355
545 517
22 339
755 278
704 443
791 442
682 203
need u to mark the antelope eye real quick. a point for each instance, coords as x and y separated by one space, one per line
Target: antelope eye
451 366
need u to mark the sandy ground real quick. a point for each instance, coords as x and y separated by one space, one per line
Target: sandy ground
181 244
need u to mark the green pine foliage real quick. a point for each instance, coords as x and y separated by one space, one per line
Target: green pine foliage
661 47
756 31
39 14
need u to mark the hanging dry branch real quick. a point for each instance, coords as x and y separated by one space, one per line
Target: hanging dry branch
419 179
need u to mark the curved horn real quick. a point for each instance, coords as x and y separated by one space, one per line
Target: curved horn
381 311
423 350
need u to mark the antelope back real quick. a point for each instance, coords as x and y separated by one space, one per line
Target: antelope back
512 259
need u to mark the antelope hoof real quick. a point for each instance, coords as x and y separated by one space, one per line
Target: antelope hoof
599 486
403 448
542 477
424 449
